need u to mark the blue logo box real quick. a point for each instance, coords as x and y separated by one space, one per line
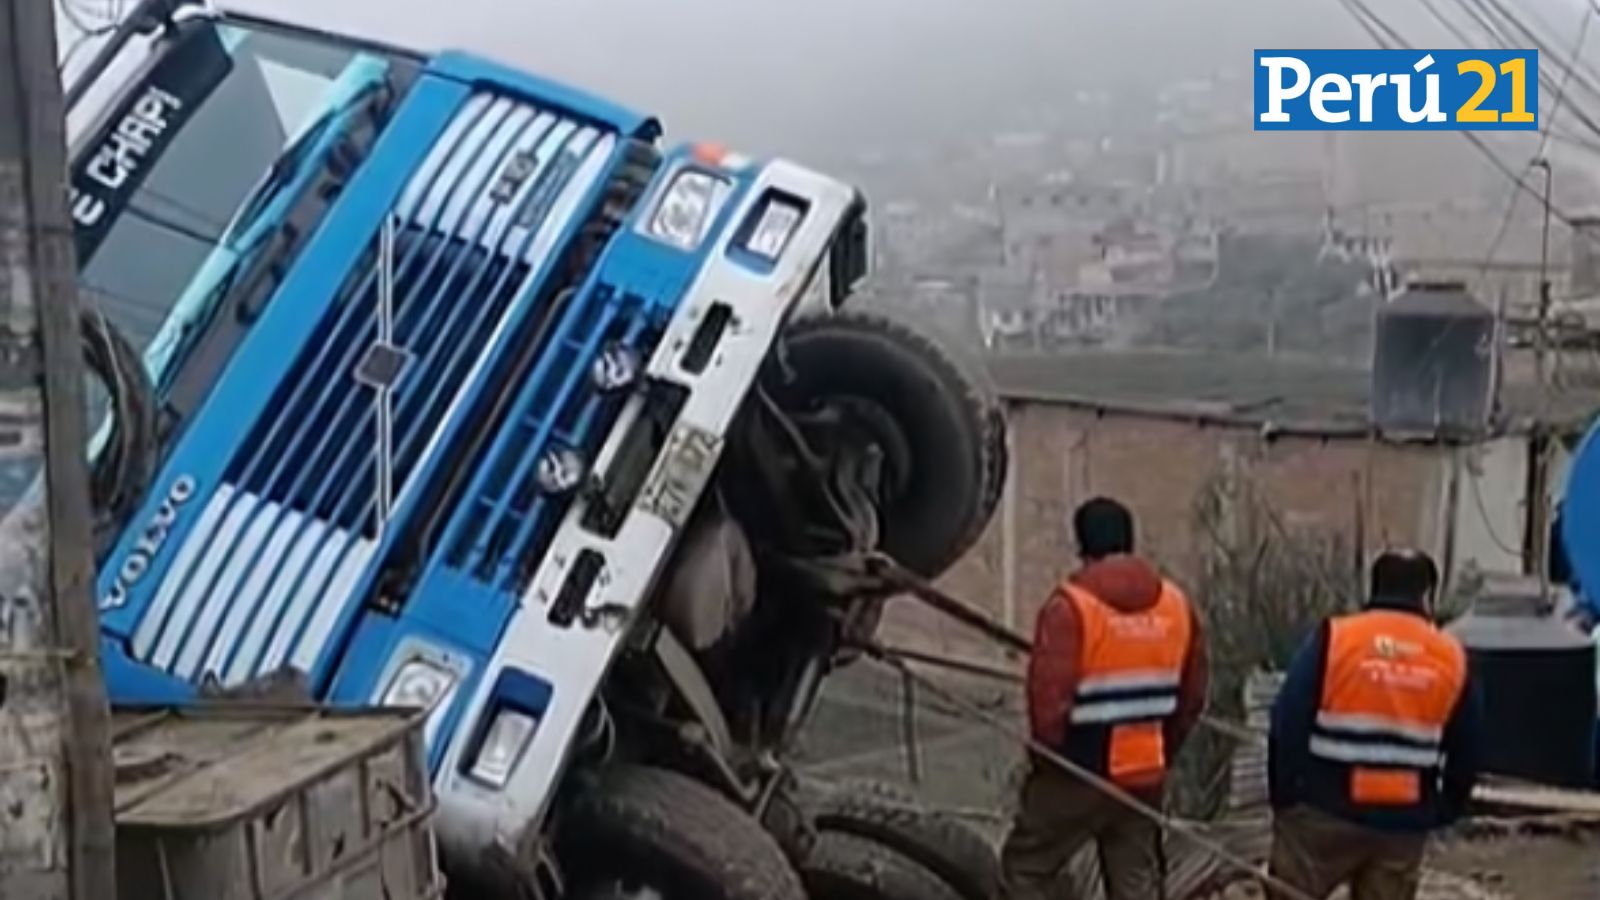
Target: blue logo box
1397 90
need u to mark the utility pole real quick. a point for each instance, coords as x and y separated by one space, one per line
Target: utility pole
1538 448
56 832
1541 339
1272 322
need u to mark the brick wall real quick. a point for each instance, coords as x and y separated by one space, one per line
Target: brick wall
1063 455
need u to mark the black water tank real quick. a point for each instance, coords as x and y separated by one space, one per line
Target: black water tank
1432 361
1537 677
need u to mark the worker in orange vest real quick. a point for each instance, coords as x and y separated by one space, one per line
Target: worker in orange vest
1374 742
1116 682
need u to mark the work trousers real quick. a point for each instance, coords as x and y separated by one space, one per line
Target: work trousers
1058 816
1316 853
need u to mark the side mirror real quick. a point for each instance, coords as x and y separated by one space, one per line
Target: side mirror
849 257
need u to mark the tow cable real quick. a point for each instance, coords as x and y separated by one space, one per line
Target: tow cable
909 583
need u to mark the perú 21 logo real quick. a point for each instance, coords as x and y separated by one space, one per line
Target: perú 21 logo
1397 90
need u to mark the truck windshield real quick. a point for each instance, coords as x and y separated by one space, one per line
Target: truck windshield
157 187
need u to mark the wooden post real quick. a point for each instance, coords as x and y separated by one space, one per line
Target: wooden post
56 833
1008 524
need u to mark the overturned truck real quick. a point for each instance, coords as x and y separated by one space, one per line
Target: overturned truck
432 383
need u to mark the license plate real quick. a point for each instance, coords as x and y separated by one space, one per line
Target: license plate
681 474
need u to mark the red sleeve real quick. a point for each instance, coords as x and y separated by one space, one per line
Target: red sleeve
1053 669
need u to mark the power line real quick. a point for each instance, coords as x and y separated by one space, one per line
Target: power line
1450 26
86 32
75 15
1518 21
1544 140
1567 137
1488 27
1546 80
1571 65
1372 23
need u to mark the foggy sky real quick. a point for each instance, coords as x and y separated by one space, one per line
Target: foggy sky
805 76
828 80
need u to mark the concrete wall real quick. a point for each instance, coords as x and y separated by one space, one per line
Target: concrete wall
1492 490
1063 455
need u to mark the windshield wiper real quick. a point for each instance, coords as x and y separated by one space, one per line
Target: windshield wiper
261 243
284 171
287 166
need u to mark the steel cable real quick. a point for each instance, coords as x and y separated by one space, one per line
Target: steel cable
1040 750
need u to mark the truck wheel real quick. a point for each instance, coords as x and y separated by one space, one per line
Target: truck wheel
844 866
999 465
884 813
638 832
921 407
971 363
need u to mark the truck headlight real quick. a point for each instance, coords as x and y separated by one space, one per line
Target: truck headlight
688 207
421 684
616 367
503 745
777 223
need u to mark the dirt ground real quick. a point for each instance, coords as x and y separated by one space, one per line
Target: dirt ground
858 729
1526 867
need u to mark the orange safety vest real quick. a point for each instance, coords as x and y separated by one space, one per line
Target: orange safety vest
1391 683
1129 679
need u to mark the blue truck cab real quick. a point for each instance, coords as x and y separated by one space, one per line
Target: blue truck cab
440 357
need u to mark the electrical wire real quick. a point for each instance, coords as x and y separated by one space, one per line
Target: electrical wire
1450 26
1489 29
1544 141
74 49
111 18
1567 137
1377 28
76 15
1569 65
1569 68
1487 520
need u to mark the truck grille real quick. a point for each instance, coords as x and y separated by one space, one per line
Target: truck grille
264 576
498 535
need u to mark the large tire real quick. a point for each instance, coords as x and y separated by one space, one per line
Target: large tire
937 416
977 373
643 827
947 846
999 465
844 866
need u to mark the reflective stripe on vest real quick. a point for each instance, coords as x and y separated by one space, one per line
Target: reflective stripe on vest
1132 663
1392 680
